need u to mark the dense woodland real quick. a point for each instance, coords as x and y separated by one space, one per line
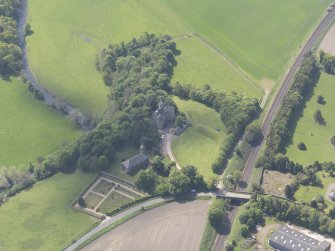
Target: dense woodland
10 51
236 113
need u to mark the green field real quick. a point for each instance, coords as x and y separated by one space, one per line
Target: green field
260 36
199 144
316 137
199 65
28 128
308 193
41 218
113 202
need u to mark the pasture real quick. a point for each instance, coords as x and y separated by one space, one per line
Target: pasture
259 36
28 128
316 137
41 218
160 222
255 37
199 144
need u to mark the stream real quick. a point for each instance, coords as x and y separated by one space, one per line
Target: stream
84 121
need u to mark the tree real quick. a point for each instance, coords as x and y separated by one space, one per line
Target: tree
158 166
321 100
245 231
288 192
28 30
103 162
318 117
10 60
146 180
82 202
179 182
332 140
215 217
253 134
302 146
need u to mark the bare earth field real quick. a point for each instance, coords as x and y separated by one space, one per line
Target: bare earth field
175 226
274 182
328 43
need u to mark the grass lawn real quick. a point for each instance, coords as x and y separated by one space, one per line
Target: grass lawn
92 200
28 128
113 201
307 193
41 218
199 144
259 36
316 137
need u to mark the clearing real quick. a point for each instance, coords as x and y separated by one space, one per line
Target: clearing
41 218
307 193
316 137
328 43
199 144
175 226
274 182
28 128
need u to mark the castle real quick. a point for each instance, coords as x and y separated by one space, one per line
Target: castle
164 115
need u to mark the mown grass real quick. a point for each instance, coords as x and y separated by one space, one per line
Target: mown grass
316 137
28 128
308 193
69 34
259 36
199 144
41 218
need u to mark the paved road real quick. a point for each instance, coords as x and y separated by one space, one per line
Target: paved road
274 107
110 220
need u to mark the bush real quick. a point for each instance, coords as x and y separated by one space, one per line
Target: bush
302 146
245 231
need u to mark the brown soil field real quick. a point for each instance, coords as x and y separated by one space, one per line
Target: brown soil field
275 182
328 43
175 226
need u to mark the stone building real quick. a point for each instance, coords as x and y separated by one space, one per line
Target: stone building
135 163
164 115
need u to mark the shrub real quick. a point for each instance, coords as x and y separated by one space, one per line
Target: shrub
302 146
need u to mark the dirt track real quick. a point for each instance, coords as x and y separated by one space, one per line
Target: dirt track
175 226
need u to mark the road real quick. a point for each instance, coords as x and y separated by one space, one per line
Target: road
274 107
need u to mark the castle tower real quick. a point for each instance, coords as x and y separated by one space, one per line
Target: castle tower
142 148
